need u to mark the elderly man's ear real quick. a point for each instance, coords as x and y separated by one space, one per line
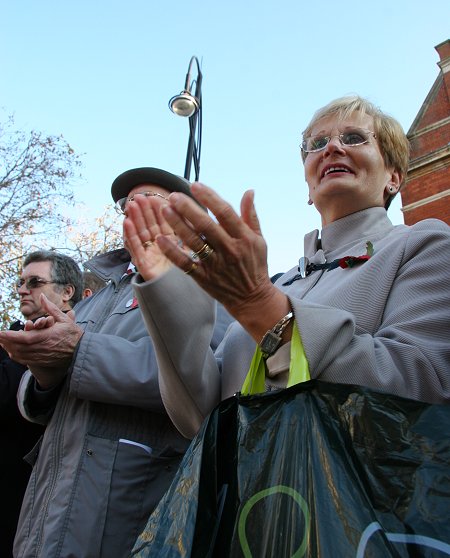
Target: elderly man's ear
68 292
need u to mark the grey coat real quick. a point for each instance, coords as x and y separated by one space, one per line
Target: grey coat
384 324
110 450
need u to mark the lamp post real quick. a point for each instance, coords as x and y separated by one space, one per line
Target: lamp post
189 104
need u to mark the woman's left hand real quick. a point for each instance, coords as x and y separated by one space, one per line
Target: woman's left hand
229 259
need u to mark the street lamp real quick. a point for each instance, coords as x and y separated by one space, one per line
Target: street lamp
189 104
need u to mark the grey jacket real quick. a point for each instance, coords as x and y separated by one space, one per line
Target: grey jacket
384 324
110 450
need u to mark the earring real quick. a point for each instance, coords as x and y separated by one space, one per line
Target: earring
391 189
310 202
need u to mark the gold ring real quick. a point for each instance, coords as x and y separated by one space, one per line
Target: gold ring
192 268
148 243
204 252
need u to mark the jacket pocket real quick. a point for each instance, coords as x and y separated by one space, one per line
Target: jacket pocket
141 476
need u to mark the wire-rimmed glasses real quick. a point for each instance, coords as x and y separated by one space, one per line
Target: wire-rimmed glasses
350 138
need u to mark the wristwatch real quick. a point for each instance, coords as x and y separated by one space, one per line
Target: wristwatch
272 338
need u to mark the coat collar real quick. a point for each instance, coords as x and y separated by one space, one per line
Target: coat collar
361 226
110 266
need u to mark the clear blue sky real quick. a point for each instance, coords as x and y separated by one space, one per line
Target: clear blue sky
101 73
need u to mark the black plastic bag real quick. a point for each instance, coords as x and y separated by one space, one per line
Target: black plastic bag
316 470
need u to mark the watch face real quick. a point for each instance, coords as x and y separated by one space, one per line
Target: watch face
270 343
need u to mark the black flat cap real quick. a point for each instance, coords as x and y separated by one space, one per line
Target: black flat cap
126 181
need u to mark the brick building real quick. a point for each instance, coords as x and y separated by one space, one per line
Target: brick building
427 189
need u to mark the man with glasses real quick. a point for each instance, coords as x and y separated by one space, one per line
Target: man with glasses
59 278
50 273
110 450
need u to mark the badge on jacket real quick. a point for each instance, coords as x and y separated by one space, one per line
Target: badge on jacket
132 303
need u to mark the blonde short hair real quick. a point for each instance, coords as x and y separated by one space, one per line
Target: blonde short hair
391 138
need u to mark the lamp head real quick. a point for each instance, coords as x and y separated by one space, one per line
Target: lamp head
184 104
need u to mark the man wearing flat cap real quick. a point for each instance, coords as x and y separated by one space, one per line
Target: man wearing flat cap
110 450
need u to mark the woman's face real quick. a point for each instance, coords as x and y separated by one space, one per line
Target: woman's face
344 179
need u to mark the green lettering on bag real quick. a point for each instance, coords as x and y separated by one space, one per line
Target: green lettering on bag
280 489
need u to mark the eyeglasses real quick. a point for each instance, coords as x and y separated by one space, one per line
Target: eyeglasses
349 138
34 283
120 205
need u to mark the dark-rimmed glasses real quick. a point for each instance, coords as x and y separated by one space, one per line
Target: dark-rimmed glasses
34 283
120 205
350 138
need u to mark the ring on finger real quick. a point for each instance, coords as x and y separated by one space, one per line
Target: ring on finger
148 243
204 252
192 268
